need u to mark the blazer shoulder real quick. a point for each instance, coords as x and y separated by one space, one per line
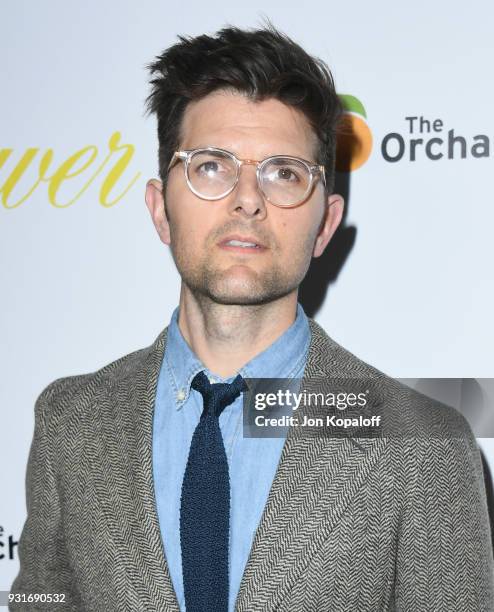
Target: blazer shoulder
333 358
429 417
77 392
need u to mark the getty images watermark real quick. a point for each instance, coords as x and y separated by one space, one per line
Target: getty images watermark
355 407
319 407
283 398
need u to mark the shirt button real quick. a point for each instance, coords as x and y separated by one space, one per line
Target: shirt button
181 395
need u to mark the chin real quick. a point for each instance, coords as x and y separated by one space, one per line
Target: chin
240 287
246 294
234 291
238 300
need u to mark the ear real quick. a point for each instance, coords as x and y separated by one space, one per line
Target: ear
156 206
332 216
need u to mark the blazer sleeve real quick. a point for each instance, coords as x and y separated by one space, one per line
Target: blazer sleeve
44 563
445 560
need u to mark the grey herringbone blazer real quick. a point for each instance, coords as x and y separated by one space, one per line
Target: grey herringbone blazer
350 525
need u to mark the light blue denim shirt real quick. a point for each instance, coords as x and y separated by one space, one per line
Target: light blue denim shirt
252 461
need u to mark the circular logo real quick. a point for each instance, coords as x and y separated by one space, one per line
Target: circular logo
354 138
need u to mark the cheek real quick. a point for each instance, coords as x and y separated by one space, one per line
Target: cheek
187 218
300 228
193 230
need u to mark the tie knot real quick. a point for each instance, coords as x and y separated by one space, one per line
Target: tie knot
218 395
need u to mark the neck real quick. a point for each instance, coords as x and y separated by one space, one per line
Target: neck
226 337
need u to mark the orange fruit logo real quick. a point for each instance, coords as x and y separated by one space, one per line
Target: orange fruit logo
353 136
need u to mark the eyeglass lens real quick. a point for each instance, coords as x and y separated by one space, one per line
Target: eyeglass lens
284 181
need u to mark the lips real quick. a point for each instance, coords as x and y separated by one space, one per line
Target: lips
241 242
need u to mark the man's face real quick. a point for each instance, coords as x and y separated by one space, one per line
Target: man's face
197 229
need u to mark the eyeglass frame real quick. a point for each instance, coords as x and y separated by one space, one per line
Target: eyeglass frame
314 170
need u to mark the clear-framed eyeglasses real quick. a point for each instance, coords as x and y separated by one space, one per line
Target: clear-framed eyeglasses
213 173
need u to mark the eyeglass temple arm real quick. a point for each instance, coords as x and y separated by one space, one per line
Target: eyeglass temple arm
322 172
175 156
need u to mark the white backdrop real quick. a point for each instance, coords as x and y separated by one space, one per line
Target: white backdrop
84 283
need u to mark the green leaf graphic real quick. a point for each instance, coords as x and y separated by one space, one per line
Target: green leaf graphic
352 104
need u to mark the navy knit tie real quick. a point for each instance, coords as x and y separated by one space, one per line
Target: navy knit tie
205 503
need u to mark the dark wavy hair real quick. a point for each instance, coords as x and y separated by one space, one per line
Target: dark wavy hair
262 63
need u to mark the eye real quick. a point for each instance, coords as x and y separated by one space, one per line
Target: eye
212 167
283 175
209 167
286 174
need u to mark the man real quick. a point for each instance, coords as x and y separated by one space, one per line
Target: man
142 492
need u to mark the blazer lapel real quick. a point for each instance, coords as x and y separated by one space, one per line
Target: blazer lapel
315 481
124 482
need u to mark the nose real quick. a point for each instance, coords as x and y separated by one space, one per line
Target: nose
246 198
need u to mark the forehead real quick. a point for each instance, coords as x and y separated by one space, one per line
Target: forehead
248 128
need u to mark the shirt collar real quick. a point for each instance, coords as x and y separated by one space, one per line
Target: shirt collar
283 358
